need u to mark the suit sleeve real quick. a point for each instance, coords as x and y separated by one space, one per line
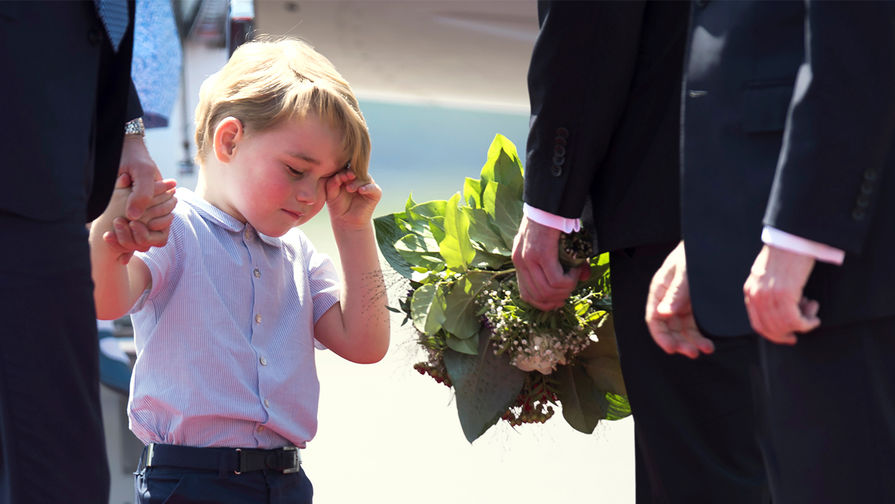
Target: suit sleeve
134 109
579 77
840 132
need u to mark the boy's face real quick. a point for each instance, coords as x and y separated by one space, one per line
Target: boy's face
276 179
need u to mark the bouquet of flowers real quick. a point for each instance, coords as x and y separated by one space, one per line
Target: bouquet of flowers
505 359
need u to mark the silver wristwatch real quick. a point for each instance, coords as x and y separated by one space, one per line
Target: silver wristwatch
135 127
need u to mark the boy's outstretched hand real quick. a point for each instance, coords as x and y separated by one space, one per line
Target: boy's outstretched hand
351 201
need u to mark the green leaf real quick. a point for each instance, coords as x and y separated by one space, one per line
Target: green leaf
618 407
502 157
460 315
424 219
489 198
387 234
418 243
436 228
483 233
485 260
427 309
506 210
420 251
472 192
606 345
600 279
582 404
606 373
409 204
469 346
455 247
507 168
430 209
600 360
601 272
485 384
596 314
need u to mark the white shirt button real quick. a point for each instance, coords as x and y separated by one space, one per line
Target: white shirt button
257 318
248 234
263 361
257 273
260 428
266 403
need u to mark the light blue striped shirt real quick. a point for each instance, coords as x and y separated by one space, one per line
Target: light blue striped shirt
225 336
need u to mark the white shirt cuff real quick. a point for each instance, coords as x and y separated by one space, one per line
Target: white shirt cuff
550 220
786 241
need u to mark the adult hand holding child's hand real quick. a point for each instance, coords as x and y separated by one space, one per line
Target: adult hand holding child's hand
132 229
151 228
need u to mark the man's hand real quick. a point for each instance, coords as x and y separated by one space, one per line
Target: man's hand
669 315
542 282
773 292
138 164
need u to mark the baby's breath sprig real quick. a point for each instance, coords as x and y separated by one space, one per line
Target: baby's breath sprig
535 340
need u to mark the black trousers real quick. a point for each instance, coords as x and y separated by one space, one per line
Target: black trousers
52 446
830 406
695 420
64 103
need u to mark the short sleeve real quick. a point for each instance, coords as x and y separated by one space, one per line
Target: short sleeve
323 282
160 260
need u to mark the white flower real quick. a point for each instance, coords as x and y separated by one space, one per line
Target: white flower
545 362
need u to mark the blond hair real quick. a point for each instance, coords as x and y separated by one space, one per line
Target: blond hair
268 81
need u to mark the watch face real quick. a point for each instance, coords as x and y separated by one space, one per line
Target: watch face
134 127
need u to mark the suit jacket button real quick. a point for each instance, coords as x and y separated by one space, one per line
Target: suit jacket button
870 175
559 160
556 170
95 36
562 132
866 188
559 150
863 201
858 214
559 141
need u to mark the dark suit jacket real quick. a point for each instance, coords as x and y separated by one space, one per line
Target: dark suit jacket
604 83
64 97
795 130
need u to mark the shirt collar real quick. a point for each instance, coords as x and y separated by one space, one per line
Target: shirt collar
221 218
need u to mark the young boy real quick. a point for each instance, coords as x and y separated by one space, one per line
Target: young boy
226 315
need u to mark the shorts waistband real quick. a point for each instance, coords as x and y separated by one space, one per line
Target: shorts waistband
237 460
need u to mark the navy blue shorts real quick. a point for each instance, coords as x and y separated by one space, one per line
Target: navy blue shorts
156 485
